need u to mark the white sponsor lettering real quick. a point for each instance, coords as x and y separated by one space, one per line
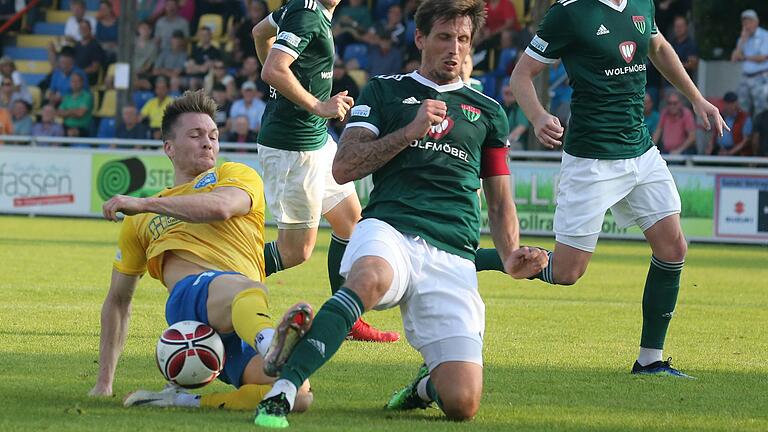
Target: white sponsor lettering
539 43
326 75
289 37
625 70
361 111
441 147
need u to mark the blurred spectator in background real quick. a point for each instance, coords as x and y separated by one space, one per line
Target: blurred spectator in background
8 71
249 106
677 128
560 93
466 74
170 62
518 122
89 56
223 8
72 26
342 81
383 57
650 114
350 24
667 10
391 26
60 76
201 60
685 47
6 123
145 10
8 94
131 126
760 135
250 72
219 94
154 108
752 51
735 142
168 24
47 126
241 132
22 121
107 30
218 75
501 16
76 108
144 55
241 33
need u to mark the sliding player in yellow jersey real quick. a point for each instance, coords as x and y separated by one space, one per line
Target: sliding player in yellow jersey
203 239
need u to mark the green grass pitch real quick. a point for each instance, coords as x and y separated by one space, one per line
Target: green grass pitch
556 358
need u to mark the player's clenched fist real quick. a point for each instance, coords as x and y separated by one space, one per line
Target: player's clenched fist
431 113
548 130
126 205
526 262
335 107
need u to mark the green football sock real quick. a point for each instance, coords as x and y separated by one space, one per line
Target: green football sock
335 253
272 261
659 299
329 329
488 259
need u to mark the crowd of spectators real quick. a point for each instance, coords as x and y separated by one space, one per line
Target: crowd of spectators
177 47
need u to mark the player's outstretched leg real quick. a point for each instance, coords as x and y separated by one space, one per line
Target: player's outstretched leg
407 398
295 323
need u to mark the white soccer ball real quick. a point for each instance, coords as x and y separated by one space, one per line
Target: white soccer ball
190 354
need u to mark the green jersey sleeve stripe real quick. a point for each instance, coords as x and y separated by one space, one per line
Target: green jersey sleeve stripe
272 20
365 125
285 49
538 57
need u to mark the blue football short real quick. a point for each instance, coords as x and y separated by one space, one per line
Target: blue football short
188 301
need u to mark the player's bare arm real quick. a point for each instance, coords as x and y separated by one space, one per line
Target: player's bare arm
547 127
217 205
665 59
277 73
360 153
505 229
115 314
264 34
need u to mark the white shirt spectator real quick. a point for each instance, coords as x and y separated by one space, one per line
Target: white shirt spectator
72 27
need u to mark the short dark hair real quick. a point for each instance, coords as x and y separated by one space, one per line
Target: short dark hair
431 11
189 102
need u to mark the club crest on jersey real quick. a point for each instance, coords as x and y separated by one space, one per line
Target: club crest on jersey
628 50
441 130
639 22
470 112
209 178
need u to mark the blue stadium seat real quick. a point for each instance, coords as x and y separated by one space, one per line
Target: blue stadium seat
506 61
18 53
33 78
359 52
107 128
382 6
489 85
91 5
46 28
142 97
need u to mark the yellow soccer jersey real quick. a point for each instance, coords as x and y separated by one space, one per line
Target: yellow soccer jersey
236 244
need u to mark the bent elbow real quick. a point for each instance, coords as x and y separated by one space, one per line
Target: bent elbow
341 175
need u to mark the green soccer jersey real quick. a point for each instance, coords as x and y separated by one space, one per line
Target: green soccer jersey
430 188
304 32
604 48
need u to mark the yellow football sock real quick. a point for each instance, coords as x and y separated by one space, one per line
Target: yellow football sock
243 399
250 314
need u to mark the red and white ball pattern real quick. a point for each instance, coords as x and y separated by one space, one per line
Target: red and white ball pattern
190 354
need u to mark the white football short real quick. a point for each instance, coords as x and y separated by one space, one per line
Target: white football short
298 185
443 314
639 191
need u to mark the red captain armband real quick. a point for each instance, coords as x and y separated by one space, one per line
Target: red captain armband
494 162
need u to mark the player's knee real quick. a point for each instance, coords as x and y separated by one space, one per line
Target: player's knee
298 254
461 404
568 276
302 402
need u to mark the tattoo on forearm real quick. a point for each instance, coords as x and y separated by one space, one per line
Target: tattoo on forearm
361 153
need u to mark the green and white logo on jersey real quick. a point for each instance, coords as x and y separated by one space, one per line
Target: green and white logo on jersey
639 22
470 112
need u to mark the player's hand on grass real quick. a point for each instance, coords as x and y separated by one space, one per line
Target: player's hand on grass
705 110
548 130
124 204
525 262
100 390
431 113
335 107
